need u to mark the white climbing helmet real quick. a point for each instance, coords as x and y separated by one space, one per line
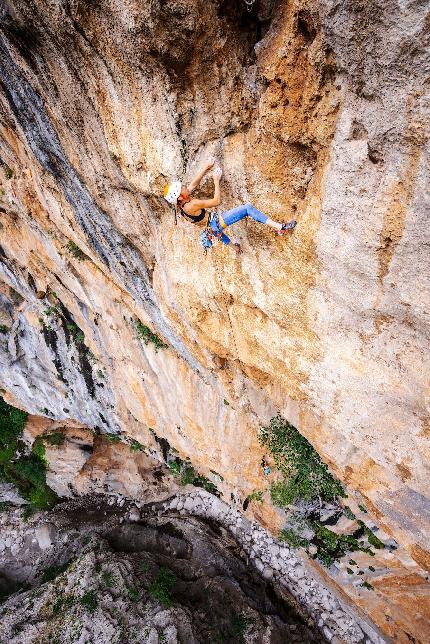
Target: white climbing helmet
172 192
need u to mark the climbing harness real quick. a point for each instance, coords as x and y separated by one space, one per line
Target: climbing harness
212 232
206 239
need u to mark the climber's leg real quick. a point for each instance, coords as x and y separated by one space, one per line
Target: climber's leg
248 210
236 214
252 211
259 216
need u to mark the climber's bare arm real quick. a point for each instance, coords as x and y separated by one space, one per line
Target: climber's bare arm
198 204
199 176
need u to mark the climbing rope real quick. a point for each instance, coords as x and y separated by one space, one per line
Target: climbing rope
248 2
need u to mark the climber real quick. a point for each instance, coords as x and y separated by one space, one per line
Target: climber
194 210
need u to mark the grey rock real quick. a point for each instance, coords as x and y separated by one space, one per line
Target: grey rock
267 573
134 514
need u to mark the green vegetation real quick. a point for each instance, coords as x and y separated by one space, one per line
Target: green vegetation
348 513
306 476
75 251
135 446
238 626
76 333
39 450
144 333
366 584
332 546
28 512
89 601
4 328
5 506
256 496
218 476
112 438
371 537
307 481
63 603
362 508
188 476
161 587
202 481
108 578
56 438
54 571
281 495
26 470
288 535
175 467
349 571
133 593
52 311
295 531
184 470
8 171
144 566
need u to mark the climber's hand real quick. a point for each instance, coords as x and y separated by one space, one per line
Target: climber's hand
238 249
217 173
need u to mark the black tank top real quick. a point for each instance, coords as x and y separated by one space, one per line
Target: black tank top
194 219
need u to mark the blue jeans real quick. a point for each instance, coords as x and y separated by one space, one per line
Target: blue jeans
236 214
248 210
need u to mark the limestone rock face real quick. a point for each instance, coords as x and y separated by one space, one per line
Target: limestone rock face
317 110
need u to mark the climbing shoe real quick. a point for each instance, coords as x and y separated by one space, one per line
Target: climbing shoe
286 227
